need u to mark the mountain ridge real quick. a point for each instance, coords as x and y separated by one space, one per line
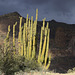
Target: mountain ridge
67 29
62 39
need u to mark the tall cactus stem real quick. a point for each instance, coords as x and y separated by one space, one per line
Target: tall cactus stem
19 38
47 48
14 37
24 39
40 48
44 46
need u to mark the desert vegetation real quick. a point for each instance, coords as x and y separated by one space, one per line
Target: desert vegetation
23 59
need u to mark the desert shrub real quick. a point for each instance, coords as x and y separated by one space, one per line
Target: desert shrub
31 65
9 64
27 65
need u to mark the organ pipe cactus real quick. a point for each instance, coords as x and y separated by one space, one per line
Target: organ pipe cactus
44 50
27 40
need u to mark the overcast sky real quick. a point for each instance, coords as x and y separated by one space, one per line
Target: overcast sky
59 10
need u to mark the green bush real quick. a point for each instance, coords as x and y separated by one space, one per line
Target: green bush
10 63
28 65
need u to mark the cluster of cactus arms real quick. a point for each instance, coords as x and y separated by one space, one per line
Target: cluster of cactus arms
27 37
27 40
43 50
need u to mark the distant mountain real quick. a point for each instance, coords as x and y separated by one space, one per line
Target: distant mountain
53 25
68 30
10 19
60 34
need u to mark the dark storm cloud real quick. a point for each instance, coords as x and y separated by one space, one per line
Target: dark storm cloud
64 6
7 6
60 10
66 9
35 2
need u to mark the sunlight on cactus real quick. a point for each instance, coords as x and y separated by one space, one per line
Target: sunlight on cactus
27 40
